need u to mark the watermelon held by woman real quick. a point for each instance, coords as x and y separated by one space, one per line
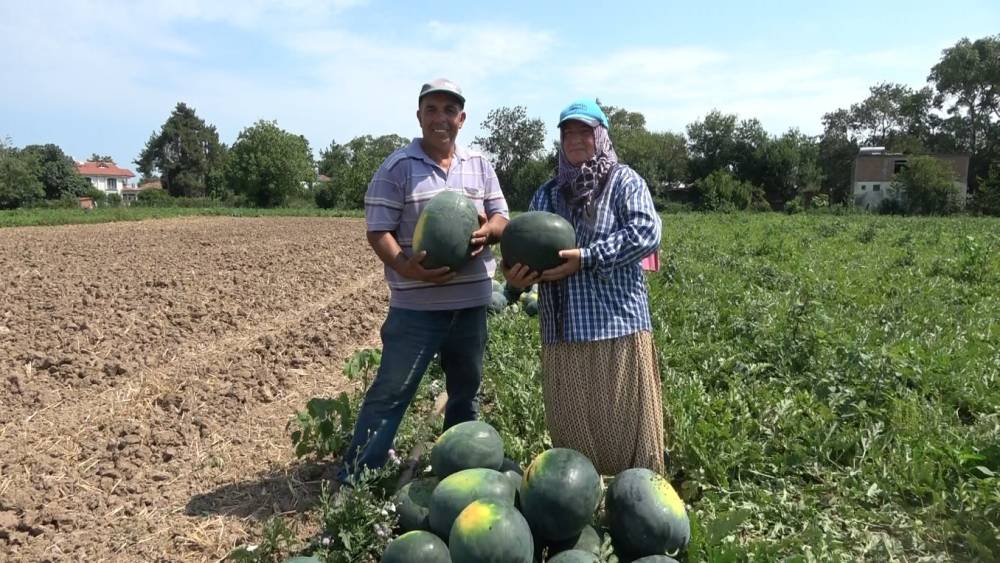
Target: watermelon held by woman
444 229
535 239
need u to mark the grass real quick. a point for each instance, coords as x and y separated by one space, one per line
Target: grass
72 216
838 379
830 385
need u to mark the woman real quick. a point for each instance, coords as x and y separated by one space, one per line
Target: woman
601 384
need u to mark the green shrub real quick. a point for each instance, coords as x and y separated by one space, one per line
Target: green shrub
927 187
325 195
988 198
721 191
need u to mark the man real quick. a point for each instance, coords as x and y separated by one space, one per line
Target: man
431 311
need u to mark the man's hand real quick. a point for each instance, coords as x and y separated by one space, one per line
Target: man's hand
519 276
413 269
481 236
568 268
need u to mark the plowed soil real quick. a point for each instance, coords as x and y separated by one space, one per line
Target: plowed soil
148 371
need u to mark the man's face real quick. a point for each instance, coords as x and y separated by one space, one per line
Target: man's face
440 116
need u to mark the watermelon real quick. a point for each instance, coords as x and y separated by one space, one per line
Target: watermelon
645 514
497 287
416 547
413 503
511 293
303 559
559 493
497 303
513 471
587 540
466 445
655 559
530 304
574 556
488 531
458 490
535 239
510 465
444 229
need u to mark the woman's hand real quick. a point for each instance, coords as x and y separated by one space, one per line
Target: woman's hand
519 276
564 270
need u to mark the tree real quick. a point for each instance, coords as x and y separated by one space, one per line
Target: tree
18 185
268 164
660 158
926 186
988 197
187 154
56 171
968 75
94 157
711 144
894 116
967 79
527 179
351 167
512 141
837 150
789 167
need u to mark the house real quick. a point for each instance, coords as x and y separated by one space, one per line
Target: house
130 194
320 179
105 176
874 170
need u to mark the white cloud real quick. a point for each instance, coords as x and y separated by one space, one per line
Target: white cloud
673 87
322 77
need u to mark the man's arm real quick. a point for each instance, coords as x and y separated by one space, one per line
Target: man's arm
391 254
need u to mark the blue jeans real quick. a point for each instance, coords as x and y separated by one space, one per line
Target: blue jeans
409 341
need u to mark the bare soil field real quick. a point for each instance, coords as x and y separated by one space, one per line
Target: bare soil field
148 370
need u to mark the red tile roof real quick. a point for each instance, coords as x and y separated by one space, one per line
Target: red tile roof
103 169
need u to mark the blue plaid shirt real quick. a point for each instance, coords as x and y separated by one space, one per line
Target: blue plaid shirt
607 298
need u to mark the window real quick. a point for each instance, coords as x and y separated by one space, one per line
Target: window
898 166
863 187
112 185
876 187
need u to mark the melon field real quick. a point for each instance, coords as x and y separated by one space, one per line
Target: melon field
830 388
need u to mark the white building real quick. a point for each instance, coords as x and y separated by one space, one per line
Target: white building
105 176
875 170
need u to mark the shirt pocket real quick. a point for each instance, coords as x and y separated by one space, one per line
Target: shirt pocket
476 195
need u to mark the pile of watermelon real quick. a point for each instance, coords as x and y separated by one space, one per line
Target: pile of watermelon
479 507
505 295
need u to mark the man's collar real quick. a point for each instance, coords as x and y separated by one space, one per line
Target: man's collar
417 150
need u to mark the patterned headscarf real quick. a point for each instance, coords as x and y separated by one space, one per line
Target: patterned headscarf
582 184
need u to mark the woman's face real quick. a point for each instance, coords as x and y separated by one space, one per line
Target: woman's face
577 142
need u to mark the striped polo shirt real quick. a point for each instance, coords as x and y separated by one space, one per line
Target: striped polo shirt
398 192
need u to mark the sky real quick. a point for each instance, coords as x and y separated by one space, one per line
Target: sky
101 76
